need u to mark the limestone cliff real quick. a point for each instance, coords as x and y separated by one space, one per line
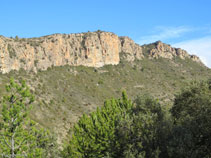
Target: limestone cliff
166 51
130 50
94 49
88 49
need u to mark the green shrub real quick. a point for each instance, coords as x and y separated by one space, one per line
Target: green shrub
192 122
141 135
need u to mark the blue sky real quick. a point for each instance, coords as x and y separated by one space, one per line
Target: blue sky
181 23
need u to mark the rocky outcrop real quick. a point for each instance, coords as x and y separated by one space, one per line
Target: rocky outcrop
88 49
130 50
94 49
166 51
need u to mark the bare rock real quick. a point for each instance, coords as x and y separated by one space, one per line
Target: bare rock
89 49
162 50
93 49
130 49
166 51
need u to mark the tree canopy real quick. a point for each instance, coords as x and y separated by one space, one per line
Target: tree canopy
19 135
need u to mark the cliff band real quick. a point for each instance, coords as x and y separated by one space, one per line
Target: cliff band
93 49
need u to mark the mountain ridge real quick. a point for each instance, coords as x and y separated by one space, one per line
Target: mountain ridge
92 49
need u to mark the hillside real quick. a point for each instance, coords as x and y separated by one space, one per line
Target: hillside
74 74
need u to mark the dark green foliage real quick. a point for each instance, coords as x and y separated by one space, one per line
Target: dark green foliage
94 135
192 100
136 136
191 112
146 102
141 134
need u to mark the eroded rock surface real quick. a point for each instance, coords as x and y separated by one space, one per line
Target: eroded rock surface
94 49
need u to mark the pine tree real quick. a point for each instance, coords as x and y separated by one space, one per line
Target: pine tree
94 135
19 136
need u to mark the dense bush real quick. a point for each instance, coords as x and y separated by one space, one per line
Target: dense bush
147 132
191 136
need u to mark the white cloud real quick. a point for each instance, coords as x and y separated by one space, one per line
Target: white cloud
163 33
200 47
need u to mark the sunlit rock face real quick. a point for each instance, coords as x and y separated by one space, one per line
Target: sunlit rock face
93 49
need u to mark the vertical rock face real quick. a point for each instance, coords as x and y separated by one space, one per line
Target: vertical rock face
88 49
130 49
94 49
100 49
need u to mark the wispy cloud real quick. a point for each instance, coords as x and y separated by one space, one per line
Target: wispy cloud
164 33
200 47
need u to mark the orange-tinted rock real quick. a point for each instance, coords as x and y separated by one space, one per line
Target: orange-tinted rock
93 49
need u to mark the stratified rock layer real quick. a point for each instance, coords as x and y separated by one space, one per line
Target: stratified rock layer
93 49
